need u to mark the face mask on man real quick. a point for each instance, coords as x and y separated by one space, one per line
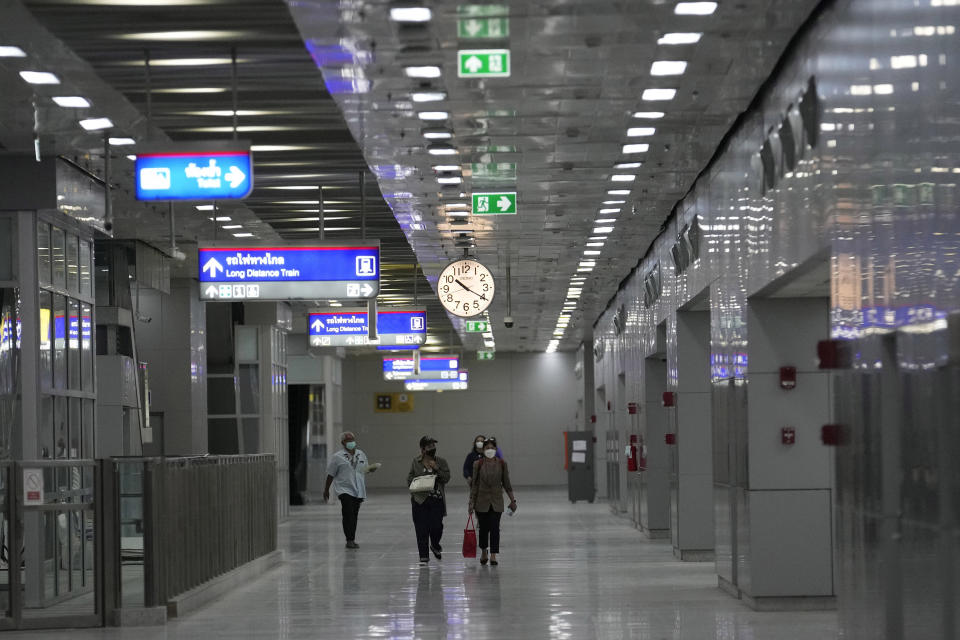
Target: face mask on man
351 445
490 453
478 444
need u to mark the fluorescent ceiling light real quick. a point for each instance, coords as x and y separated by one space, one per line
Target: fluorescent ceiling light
428 96
695 8
437 133
294 187
184 62
591 252
244 235
615 201
192 90
658 94
77 102
627 165
679 38
649 115
233 226
635 148
604 220
668 68
204 207
595 244
636 132
609 210
429 71
450 180
597 238
619 192
228 113
121 142
10 51
623 177
603 230
410 14
131 158
183 36
447 167
281 147
222 219
433 115
39 77
96 124
457 205
442 150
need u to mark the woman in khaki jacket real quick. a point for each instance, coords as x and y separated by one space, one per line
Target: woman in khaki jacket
490 479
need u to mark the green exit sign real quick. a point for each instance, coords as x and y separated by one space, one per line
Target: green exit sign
479 28
495 204
477 326
485 355
483 63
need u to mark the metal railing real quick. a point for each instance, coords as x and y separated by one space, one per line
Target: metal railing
180 522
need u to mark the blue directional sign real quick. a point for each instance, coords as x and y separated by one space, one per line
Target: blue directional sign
459 382
436 367
350 327
289 273
195 171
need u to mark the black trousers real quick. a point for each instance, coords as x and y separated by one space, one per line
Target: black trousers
428 522
350 507
489 530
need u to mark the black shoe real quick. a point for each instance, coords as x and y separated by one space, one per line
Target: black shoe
493 563
352 545
483 558
424 559
436 550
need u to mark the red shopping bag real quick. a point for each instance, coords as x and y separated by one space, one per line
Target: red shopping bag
470 539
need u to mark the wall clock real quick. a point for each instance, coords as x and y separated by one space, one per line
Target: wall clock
465 288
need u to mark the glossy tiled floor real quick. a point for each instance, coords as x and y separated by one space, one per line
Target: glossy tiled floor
567 571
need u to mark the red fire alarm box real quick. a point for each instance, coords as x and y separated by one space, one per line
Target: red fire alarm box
608 405
633 408
670 438
669 399
593 418
788 435
632 456
831 435
788 377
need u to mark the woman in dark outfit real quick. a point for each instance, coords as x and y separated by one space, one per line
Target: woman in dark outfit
490 479
475 454
429 507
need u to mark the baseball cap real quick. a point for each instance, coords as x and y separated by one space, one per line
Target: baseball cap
425 440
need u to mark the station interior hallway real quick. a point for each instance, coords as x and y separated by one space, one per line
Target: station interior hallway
566 572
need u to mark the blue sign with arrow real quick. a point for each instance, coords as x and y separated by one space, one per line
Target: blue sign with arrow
435 367
345 327
289 273
195 171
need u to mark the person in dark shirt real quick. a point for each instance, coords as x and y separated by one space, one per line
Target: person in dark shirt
475 454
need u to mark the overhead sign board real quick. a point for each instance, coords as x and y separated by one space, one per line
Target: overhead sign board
495 204
289 273
486 354
476 326
479 28
483 63
336 327
195 171
458 383
442 367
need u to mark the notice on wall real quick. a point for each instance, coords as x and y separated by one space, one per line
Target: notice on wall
32 487
579 445
578 456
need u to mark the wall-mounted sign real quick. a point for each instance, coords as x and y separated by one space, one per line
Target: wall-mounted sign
289 273
442 367
393 403
458 383
476 326
195 171
33 487
483 63
495 204
337 327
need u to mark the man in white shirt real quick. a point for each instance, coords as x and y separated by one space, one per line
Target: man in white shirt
345 472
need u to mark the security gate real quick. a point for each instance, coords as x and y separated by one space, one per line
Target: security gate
51 549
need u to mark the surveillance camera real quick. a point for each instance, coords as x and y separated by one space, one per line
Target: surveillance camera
508 322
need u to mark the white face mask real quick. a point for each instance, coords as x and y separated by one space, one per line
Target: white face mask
478 444
490 453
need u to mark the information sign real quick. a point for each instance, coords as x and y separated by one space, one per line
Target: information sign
492 204
350 327
436 366
289 273
195 171
476 326
458 383
486 354
32 487
480 28
483 63
494 171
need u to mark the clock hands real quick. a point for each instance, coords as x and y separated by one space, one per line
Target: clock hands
479 295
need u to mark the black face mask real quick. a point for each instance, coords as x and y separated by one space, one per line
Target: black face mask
430 451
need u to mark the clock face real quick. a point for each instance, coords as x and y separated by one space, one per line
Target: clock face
465 288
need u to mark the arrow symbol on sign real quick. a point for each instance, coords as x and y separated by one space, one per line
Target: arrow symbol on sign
473 27
211 292
212 266
473 64
235 177
504 203
366 290
316 325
